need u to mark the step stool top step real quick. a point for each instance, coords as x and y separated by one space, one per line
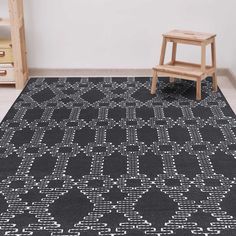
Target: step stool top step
189 35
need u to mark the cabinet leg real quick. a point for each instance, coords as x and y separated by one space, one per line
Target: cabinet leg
214 82
154 82
198 89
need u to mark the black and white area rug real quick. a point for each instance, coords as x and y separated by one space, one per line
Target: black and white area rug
101 156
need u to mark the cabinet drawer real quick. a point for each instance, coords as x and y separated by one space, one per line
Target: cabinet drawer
5 43
6 74
6 55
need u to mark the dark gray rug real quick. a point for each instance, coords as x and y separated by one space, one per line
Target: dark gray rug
101 156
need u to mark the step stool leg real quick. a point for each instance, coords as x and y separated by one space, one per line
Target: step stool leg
198 89
174 52
173 59
154 82
163 51
214 82
213 58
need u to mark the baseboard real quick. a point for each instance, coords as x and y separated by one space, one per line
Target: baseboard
37 72
88 72
229 74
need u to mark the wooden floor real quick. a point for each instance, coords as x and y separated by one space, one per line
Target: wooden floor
8 95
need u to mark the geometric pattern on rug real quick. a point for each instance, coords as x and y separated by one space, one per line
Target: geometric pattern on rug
101 156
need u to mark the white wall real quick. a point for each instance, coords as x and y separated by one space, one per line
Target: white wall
121 33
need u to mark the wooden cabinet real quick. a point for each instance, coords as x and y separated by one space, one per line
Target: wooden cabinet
13 63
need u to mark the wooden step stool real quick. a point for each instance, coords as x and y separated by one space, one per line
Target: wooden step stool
185 70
